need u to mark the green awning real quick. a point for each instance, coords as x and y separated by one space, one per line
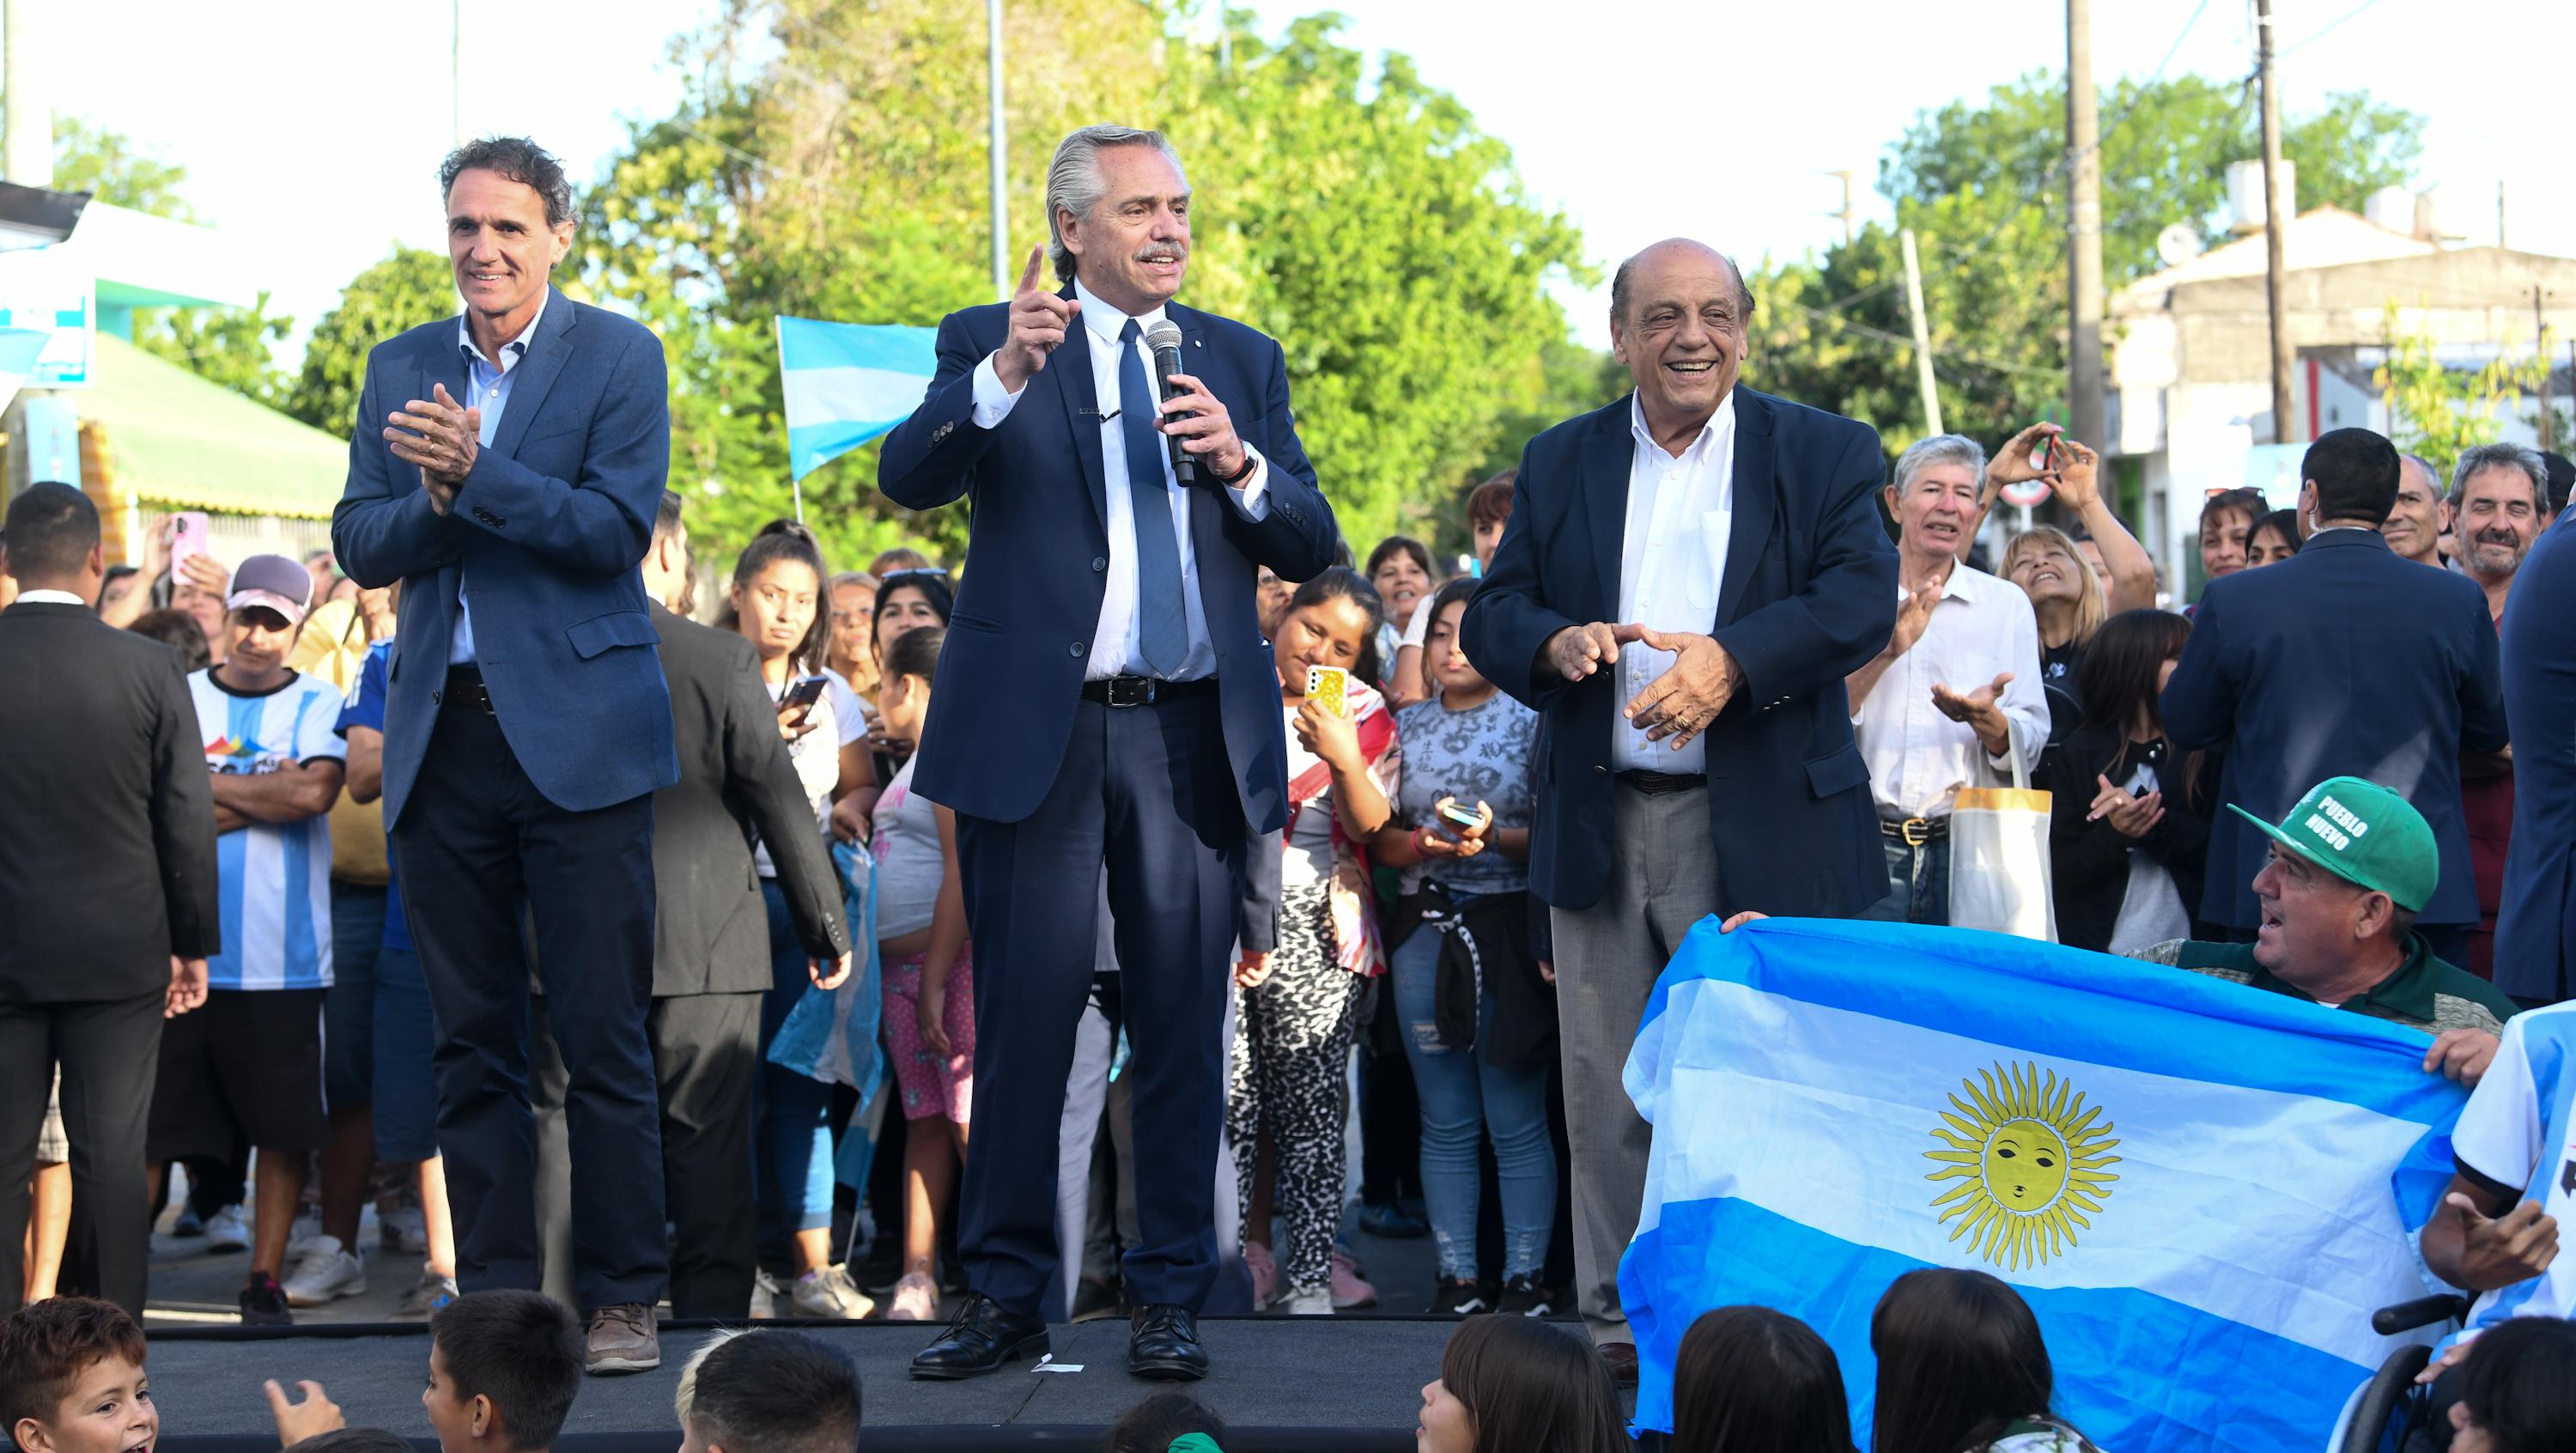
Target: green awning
179 442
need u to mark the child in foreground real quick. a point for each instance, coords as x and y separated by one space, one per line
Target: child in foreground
72 1380
768 1391
504 1367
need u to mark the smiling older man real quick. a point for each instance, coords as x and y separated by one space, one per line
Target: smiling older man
1686 577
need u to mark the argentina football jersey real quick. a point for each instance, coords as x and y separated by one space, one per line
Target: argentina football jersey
273 880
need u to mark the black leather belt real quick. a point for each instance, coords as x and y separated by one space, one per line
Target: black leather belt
1656 784
1145 690
465 688
1914 832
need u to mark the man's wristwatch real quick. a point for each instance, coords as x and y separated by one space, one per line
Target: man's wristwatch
1250 463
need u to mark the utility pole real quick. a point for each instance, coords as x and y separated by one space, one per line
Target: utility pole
1847 215
2500 212
27 148
2083 233
1002 280
1922 334
2275 227
2540 335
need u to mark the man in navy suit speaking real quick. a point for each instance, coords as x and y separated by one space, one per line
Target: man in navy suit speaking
1105 698
506 468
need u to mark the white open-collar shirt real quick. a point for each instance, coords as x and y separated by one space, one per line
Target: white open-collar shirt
1918 758
1117 642
1672 560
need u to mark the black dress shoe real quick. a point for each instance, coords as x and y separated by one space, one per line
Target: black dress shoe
1165 1345
982 1337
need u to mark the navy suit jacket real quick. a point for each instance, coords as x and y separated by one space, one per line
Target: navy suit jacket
2344 660
1808 597
2536 932
545 537
1037 560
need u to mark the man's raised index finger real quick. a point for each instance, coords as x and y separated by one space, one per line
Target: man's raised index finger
1029 274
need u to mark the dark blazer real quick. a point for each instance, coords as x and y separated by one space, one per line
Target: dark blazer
108 865
2536 933
710 926
2089 861
1037 560
2343 660
545 537
1809 595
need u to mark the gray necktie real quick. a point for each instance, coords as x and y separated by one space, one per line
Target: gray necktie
1162 618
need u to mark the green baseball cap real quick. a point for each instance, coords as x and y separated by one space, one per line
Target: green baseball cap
2363 833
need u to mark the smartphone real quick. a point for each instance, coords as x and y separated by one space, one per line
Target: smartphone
801 694
1463 816
190 536
2043 455
1330 688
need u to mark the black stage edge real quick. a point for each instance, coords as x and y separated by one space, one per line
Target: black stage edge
1283 1385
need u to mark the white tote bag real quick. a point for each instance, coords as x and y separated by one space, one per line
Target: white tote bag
1999 859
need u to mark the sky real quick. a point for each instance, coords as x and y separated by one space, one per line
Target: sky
1639 118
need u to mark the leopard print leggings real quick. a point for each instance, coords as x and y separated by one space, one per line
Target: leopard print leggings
1289 1075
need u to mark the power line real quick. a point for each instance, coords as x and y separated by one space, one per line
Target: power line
2322 31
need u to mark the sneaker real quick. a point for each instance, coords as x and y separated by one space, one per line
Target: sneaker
404 1232
228 1230
765 1292
306 1234
1094 1299
263 1303
830 1293
622 1339
1393 1222
324 1274
430 1296
1309 1302
1460 1298
916 1299
1350 1293
1265 1274
1524 1297
189 1223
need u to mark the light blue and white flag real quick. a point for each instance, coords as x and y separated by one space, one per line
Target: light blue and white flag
847 383
2202 1189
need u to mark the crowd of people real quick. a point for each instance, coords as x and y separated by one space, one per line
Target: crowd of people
781 876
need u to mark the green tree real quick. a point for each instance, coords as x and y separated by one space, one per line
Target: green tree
406 288
843 177
112 169
2438 411
1982 185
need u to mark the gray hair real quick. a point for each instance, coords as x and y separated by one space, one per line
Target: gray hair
2502 456
1922 454
1076 184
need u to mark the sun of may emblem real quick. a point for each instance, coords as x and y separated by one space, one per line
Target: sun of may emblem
2029 1160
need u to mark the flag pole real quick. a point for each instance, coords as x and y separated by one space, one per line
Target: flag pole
795 482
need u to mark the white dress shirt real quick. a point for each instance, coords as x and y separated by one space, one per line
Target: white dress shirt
1117 646
1918 758
50 597
1681 512
487 387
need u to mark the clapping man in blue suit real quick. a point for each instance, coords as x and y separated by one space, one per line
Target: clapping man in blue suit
506 468
1105 698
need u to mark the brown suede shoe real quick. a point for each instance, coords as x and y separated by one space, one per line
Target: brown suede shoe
622 1339
1622 1357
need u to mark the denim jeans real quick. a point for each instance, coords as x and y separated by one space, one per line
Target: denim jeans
406 1035
1918 883
1462 1096
793 1150
349 1005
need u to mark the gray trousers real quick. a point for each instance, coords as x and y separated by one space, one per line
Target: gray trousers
1663 879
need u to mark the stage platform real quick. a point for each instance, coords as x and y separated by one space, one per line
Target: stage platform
1335 1385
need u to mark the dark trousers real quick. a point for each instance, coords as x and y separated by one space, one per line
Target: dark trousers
1146 791
110 1051
704 1066
477 848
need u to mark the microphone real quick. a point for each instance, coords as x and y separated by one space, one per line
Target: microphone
1165 341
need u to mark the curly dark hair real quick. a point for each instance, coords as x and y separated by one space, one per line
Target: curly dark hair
518 159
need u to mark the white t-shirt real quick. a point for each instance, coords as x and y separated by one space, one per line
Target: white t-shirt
817 754
1309 848
274 878
2515 1132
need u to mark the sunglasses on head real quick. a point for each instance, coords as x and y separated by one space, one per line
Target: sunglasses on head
891 576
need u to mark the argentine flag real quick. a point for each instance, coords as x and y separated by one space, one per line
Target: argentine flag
846 383
2202 1189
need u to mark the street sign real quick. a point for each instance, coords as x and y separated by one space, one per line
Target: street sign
50 290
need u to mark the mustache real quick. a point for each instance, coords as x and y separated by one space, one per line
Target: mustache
1162 251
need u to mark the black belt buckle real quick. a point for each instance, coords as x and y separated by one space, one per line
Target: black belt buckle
465 688
1127 691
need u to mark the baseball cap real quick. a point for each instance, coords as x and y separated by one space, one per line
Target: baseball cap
271 582
2362 833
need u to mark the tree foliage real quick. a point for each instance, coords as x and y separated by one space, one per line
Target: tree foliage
1983 186
2438 411
1354 213
405 289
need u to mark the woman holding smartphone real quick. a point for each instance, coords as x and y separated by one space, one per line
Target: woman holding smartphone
1298 1006
929 976
775 603
1479 1026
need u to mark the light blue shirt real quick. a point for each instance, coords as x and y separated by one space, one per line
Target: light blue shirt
487 387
